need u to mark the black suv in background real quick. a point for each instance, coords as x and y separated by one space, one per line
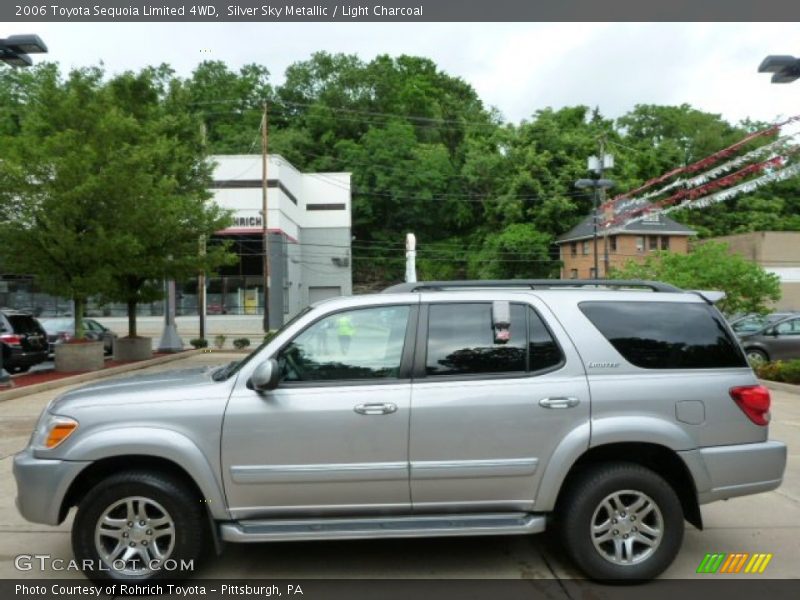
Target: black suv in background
22 341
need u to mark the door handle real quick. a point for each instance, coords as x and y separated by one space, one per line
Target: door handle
563 402
378 408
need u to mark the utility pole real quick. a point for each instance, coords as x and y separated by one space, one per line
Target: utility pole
599 164
411 257
201 278
201 291
264 147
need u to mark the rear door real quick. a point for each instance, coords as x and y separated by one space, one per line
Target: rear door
486 417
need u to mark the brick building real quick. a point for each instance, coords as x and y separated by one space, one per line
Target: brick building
618 245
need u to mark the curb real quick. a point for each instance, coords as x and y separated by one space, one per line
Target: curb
780 386
93 375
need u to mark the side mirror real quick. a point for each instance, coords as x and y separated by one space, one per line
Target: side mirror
266 376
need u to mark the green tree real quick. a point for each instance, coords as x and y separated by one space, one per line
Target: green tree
167 205
57 181
103 189
710 266
520 251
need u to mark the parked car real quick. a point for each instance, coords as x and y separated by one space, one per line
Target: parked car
62 330
434 409
773 341
752 323
23 342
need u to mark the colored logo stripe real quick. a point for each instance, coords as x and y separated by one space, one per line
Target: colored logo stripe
721 562
758 563
711 562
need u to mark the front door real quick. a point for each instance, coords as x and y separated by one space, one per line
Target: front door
487 416
785 345
333 437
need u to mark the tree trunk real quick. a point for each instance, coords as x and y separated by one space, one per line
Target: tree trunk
132 318
80 305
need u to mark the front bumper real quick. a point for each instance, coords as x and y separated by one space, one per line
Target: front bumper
722 472
42 485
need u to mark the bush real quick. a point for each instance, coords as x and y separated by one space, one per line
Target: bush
199 343
219 341
786 372
269 335
241 343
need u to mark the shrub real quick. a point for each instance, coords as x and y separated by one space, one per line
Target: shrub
269 335
787 372
199 343
219 341
241 343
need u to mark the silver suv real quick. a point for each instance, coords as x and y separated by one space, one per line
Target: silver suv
609 410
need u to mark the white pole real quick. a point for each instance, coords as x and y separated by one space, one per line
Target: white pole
411 257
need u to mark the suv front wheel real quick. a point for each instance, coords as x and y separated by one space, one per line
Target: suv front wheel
621 521
138 525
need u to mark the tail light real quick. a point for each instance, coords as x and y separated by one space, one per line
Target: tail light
64 336
754 401
11 339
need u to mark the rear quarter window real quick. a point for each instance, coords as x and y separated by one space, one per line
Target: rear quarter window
666 335
24 324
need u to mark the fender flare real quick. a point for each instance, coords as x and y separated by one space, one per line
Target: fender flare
601 432
166 444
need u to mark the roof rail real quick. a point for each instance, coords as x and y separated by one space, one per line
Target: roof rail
531 284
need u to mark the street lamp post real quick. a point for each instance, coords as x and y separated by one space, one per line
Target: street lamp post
597 185
784 69
14 52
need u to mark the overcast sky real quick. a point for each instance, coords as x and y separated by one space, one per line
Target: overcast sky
515 67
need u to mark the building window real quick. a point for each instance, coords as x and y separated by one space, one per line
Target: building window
639 243
612 243
573 248
665 242
592 273
586 248
573 273
653 242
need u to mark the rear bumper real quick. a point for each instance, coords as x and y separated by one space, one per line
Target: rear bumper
723 472
20 358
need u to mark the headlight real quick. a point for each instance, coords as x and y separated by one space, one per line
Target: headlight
51 431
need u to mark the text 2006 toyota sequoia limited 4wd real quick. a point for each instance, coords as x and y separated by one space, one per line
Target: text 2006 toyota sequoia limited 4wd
609 410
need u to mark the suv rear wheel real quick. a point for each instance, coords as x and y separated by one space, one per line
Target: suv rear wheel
621 521
138 525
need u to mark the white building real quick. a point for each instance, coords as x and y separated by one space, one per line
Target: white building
309 223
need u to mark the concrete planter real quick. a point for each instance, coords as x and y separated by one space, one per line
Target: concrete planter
79 357
137 348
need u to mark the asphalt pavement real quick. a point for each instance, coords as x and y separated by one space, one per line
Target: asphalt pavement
767 523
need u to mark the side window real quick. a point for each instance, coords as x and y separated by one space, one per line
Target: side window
356 344
461 341
788 327
666 335
544 353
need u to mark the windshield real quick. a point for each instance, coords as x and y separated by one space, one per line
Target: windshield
56 325
233 367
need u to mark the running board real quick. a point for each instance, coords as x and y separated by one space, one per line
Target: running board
282 530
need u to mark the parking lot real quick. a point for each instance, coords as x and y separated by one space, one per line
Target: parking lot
763 523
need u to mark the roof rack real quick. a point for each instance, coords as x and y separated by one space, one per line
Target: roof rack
531 284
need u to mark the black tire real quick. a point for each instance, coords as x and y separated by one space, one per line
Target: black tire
22 369
181 505
577 514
